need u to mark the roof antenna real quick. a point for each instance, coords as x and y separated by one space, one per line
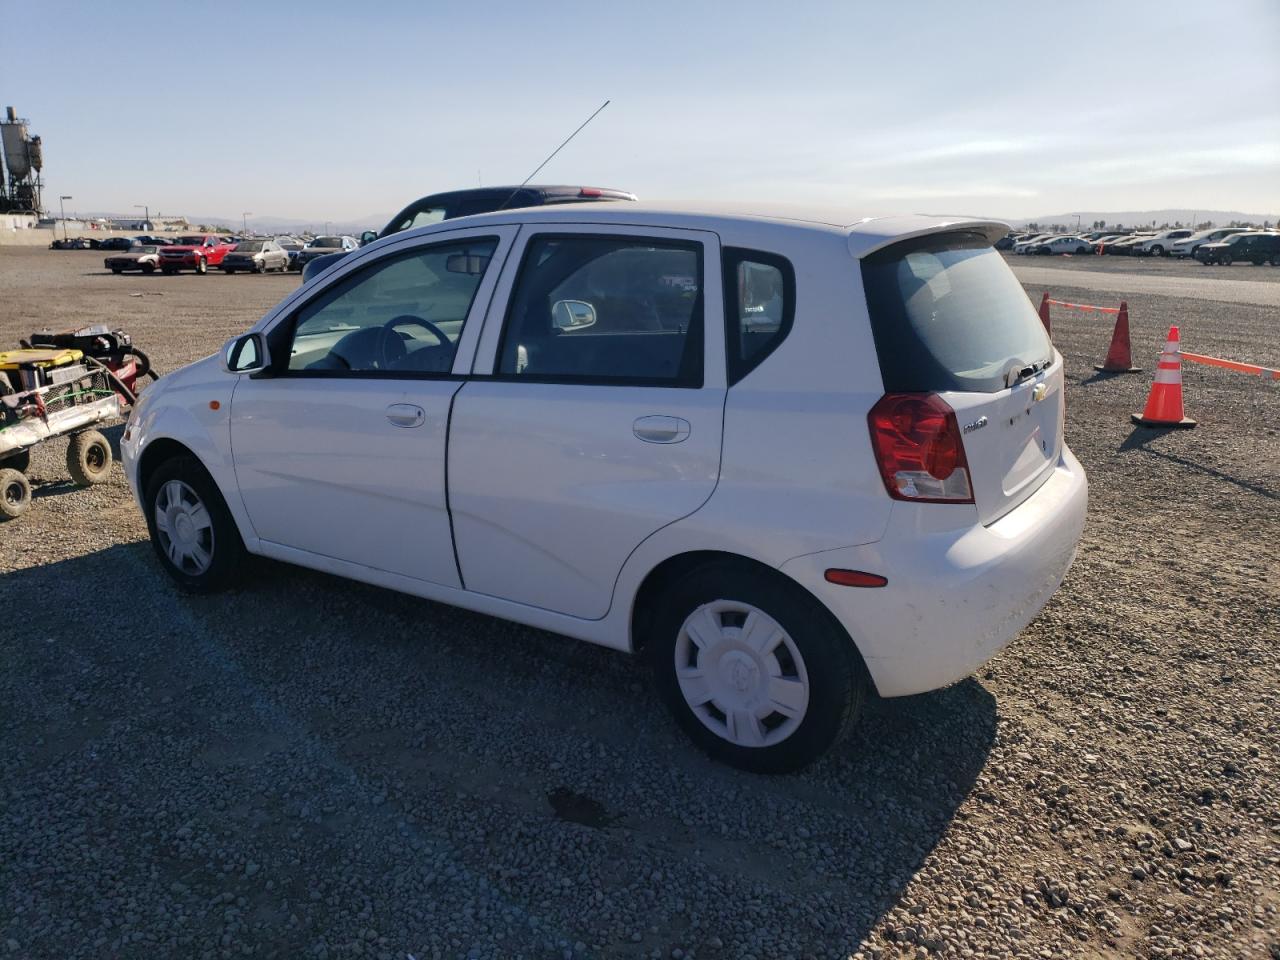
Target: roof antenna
553 153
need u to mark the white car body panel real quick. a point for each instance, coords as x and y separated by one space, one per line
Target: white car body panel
560 512
1164 240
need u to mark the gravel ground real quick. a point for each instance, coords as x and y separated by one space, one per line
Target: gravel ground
313 768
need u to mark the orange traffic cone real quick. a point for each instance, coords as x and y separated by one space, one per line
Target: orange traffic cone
1120 356
1164 404
1044 314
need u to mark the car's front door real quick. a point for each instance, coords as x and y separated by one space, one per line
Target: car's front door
593 416
340 451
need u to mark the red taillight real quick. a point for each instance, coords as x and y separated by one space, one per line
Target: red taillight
591 192
919 449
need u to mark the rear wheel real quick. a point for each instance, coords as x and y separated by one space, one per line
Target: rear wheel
15 494
88 458
754 669
192 531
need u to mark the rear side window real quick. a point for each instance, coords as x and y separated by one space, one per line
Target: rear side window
947 313
760 303
606 310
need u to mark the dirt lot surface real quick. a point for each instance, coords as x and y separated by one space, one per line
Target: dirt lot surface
311 768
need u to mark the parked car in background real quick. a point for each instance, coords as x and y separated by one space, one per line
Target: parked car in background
1060 245
143 257
196 252
1102 241
1005 243
115 243
291 246
631 464
1022 246
1257 248
466 203
257 256
1187 247
323 247
1124 247
153 241
1161 243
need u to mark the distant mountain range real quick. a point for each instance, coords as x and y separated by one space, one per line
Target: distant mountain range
1147 218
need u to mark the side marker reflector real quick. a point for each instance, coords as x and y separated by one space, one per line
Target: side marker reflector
855 578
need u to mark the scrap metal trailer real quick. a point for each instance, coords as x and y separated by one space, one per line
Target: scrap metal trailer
61 384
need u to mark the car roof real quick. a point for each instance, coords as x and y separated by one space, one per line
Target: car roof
539 191
864 234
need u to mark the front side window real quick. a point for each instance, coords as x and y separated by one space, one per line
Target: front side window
606 309
760 296
401 315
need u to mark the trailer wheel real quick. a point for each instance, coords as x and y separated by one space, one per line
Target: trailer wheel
88 458
15 494
19 461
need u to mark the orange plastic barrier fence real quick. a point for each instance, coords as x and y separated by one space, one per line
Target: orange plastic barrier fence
1250 368
1084 306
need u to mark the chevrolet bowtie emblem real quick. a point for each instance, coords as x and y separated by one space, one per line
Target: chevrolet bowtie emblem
1038 393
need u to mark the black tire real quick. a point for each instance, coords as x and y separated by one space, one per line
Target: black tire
117 269
21 460
88 458
224 545
15 493
259 266
228 271
201 266
1225 260
837 678
148 268
167 272
1275 260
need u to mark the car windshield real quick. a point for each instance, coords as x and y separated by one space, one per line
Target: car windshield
326 243
290 244
250 246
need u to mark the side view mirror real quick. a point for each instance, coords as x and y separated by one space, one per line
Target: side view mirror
572 315
246 354
367 237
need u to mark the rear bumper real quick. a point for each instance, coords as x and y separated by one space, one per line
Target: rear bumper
956 594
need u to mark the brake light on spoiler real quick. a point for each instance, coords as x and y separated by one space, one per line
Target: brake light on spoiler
919 449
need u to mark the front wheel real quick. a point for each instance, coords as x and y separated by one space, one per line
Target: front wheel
192 531
755 670
1226 260
15 494
148 268
201 266
1157 251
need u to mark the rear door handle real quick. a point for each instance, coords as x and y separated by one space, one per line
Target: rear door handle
406 415
657 429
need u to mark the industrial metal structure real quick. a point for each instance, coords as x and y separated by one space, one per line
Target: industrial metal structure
23 159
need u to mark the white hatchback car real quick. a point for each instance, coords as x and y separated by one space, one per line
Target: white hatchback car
793 461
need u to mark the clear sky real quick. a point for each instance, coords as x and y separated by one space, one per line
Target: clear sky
327 110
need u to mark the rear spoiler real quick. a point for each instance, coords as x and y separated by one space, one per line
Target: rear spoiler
868 236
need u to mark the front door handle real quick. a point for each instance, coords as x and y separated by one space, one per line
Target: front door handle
657 429
406 415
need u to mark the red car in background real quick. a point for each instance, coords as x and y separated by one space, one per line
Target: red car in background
196 252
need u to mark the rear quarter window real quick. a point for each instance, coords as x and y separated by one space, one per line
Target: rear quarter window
760 303
947 313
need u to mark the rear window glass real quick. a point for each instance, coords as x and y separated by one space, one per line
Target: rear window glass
760 295
947 313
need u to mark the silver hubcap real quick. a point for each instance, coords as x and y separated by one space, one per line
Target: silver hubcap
184 527
741 674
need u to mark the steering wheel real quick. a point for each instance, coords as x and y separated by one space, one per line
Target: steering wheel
388 329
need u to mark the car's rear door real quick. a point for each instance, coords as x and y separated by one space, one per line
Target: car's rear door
950 318
593 415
